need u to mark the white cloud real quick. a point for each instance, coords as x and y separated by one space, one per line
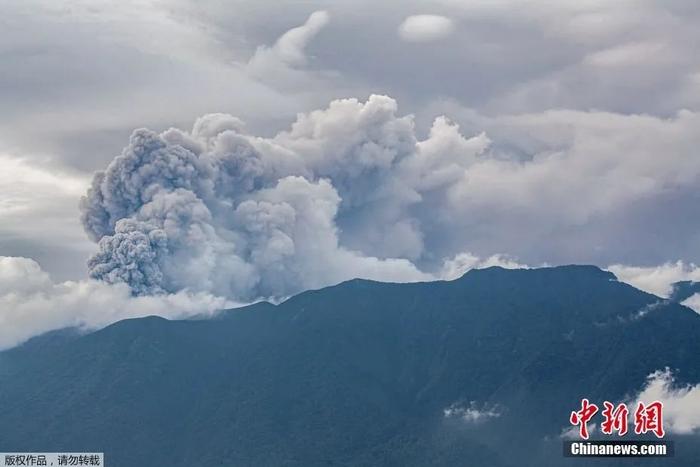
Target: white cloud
474 413
456 267
290 47
681 412
681 405
693 302
425 28
280 63
31 303
657 280
572 187
592 162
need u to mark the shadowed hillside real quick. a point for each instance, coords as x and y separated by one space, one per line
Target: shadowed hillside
358 374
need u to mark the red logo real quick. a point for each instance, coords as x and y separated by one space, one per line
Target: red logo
647 418
615 419
582 417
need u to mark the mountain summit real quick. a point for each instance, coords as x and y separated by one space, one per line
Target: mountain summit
475 371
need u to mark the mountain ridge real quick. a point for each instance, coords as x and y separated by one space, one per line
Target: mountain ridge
359 373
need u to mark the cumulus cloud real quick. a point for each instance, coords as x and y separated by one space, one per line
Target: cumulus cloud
572 187
425 28
681 404
32 303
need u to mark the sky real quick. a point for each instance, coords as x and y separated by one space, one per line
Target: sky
174 157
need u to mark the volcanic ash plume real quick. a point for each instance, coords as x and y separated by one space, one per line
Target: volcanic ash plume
240 216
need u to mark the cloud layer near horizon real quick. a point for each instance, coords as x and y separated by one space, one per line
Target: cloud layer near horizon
657 280
32 303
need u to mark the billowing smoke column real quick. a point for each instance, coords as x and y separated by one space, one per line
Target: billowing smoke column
240 216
